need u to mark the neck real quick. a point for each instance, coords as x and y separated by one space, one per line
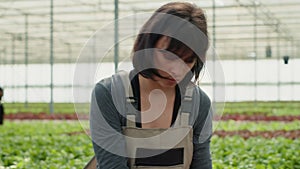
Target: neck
148 85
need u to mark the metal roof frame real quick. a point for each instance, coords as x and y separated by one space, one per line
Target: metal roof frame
75 21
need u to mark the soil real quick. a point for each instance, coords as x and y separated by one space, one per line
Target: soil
45 116
293 134
225 117
258 117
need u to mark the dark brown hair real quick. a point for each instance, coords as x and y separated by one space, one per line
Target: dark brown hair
163 21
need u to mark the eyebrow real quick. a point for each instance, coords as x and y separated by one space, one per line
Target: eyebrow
185 53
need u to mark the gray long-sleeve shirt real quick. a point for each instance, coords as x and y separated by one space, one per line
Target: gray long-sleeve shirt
106 124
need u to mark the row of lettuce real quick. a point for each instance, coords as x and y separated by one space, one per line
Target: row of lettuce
263 108
62 144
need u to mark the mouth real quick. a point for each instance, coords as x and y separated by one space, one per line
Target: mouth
172 79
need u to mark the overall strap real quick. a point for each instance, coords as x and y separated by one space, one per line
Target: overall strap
127 86
120 87
188 107
189 103
130 111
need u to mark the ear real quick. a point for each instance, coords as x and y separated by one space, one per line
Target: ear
163 42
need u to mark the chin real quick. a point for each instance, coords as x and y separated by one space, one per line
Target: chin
168 83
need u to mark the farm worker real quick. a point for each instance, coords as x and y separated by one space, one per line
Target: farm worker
1 107
155 116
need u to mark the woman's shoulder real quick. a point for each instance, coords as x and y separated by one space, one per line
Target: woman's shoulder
103 85
203 96
118 79
198 92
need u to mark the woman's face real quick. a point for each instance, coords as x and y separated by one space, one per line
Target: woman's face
169 65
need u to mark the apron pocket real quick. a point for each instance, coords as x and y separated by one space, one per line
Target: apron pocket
170 157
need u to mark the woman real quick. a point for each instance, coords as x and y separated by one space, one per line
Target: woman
155 117
1 107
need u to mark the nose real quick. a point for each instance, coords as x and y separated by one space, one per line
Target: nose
176 68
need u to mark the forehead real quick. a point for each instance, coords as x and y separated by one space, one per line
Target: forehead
183 52
175 46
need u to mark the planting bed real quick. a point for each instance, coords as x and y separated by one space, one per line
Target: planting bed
45 116
47 144
265 137
73 116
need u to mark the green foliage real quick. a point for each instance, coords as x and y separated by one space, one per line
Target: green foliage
45 108
43 145
50 144
232 125
267 108
237 153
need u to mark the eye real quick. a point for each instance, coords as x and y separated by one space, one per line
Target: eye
190 60
168 55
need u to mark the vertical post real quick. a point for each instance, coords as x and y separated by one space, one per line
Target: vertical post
235 62
297 51
214 55
13 65
69 53
13 44
26 60
116 39
4 56
293 53
93 60
69 59
134 23
255 52
51 58
278 64
1 62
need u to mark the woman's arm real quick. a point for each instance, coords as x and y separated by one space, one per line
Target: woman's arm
202 134
105 125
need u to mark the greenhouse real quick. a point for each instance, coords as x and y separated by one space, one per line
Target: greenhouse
52 54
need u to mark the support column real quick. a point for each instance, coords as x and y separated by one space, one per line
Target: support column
51 106
26 60
116 49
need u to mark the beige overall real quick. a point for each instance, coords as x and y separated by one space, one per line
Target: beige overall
161 139
179 136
